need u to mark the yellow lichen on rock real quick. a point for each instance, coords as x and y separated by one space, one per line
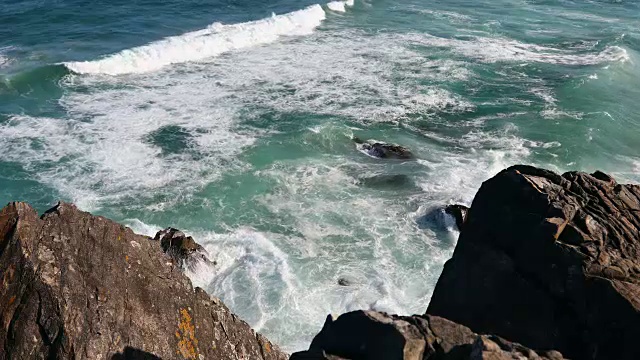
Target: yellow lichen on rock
188 343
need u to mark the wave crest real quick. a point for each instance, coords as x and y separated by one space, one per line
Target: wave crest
201 44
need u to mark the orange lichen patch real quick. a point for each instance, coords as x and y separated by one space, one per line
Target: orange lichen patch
8 275
267 347
126 257
187 344
12 300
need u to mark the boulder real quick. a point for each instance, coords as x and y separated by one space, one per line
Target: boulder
459 212
78 286
383 150
182 249
374 335
550 261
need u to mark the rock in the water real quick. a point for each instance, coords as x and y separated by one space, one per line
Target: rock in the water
371 335
343 281
391 182
77 286
550 261
383 150
459 212
184 251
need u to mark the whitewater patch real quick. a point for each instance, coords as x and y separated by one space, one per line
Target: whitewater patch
5 60
94 158
492 50
202 44
340 6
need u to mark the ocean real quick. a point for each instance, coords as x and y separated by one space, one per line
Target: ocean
232 120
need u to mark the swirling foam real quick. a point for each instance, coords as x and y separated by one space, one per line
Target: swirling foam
491 50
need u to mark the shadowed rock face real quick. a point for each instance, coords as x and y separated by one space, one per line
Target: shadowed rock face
77 286
550 261
377 336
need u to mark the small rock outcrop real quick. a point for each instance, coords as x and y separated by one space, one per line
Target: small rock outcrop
459 212
378 336
78 286
182 249
550 261
383 150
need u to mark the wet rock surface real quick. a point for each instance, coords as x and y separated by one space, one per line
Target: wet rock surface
383 150
78 286
551 261
182 249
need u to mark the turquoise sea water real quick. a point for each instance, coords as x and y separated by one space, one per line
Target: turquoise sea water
232 121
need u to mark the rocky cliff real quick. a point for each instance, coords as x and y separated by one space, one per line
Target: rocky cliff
551 261
544 261
78 286
373 335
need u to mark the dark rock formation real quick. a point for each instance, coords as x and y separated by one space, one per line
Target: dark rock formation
550 261
459 212
383 150
77 286
345 281
377 336
183 250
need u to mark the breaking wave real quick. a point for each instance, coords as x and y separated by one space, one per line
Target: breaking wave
201 44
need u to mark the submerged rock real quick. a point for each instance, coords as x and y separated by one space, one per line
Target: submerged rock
184 251
395 182
345 281
551 261
459 212
383 150
374 335
78 286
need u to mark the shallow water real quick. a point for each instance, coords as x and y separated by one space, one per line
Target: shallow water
234 125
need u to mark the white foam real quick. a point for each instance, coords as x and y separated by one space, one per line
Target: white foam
491 50
450 15
348 73
327 209
203 44
102 153
5 60
436 99
340 6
